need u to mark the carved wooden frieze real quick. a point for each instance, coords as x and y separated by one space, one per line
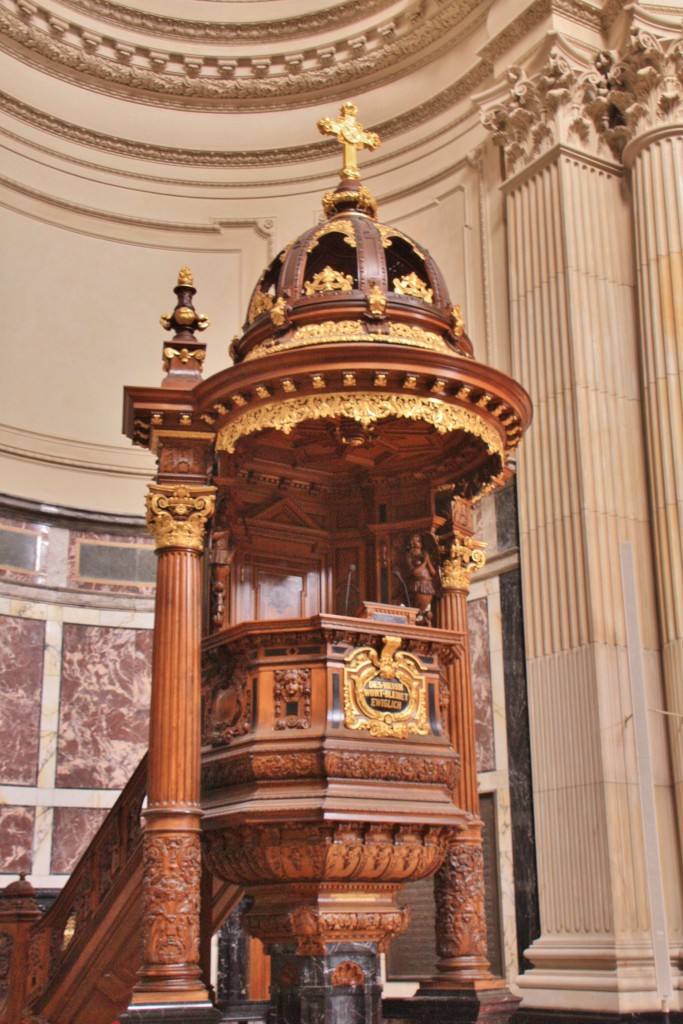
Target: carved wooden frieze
171 881
385 694
292 698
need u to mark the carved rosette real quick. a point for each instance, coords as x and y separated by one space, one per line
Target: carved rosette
177 515
171 878
459 893
465 556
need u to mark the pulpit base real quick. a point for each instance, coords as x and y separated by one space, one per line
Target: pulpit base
490 1005
171 1013
339 986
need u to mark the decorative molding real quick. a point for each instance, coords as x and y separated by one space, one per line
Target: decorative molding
323 20
368 408
260 82
73 454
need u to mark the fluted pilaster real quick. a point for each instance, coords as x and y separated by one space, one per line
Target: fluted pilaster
582 490
656 161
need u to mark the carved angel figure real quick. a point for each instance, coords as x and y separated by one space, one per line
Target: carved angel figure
423 575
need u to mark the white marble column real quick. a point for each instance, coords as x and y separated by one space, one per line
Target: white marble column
582 477
656 162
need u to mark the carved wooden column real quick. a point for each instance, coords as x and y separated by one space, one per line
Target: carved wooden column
459 884
177 516
18 914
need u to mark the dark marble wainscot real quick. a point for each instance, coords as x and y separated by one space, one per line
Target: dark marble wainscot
72 830
519 764
22 644
104 707
16 839
477 615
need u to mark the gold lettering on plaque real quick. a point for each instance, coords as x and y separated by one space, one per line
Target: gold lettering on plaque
385 694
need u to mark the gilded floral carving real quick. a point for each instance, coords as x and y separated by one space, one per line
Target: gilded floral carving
177 516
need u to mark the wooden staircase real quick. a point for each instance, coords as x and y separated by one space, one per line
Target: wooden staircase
85 952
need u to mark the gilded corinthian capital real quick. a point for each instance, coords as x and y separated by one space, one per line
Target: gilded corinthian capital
465 556
177 515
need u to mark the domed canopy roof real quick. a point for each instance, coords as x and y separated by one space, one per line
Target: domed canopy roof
351 278
352 361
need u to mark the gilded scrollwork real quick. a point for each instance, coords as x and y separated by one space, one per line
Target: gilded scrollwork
365 408
385 694
411 284
341 226
177 516
328 280
465 555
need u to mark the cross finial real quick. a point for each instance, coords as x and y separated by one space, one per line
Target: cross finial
351 135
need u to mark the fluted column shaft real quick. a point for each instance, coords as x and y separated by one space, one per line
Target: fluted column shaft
459 884
171 840
582 491
656 162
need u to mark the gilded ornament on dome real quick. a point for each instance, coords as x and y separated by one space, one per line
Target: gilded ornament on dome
343 227
411 284
185 278
278 313
377 301
385 694
261 302
183 354
458 322
328 280
362 199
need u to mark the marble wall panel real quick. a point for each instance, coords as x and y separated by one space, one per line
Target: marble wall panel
16 839
23 551
73 829
477 614
102 562
21 675
104 708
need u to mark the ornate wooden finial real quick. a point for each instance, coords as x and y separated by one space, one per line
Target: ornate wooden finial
184 357
351 135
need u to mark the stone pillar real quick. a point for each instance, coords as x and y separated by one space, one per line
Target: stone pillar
654 156
459 884
582 486
170 974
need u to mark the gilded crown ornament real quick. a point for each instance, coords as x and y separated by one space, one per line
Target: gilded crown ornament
177 516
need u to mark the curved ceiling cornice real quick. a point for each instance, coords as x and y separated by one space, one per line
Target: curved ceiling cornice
196 31
282 156
382 54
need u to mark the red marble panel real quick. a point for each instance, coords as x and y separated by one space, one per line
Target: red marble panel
16 839
104 709
22 644
477 613
72 830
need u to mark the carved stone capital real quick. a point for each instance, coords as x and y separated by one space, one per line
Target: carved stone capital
465 556
177 516
638 88
541 110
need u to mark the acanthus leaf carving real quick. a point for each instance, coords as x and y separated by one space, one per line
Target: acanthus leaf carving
171 884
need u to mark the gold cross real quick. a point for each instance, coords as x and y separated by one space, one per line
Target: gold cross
352 136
